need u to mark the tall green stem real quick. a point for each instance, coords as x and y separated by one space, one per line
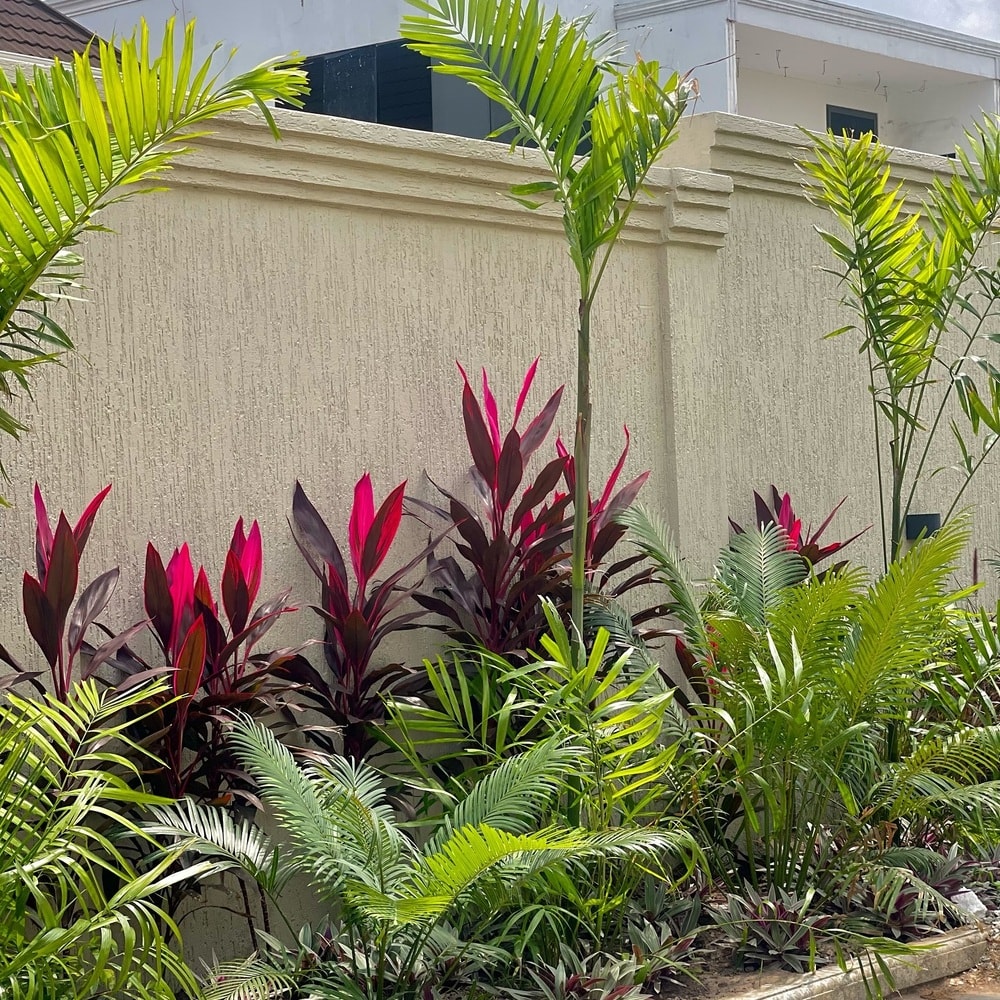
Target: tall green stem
581 459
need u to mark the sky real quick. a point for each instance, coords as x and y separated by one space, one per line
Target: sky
972 17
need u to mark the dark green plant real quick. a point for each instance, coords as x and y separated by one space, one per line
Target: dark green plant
925 302
395 897
599 127
774 928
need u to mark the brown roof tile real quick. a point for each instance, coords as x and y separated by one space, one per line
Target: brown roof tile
31 28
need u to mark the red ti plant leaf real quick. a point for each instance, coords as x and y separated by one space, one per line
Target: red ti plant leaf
43 530
92 603
48 599
41 619
180 581
381 534
514 550
484 455
81 531
235 595
156 595
62 572
214 669
189 667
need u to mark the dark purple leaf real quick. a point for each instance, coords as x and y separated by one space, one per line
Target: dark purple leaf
62 575
310 530
156 596
480 446
539 428
93 601
41 619
510 469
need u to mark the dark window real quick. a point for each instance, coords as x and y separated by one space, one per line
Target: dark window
393 85
851 121
386 83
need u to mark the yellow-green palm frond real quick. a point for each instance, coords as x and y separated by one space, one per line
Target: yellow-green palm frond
67 779
899 622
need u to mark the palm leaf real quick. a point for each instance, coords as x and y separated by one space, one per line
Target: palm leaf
756 569
652 536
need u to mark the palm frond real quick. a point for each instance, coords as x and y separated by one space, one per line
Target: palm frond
64 777
512 796
756 569
650 533
897 620
230 843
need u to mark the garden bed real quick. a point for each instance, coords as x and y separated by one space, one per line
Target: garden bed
952 953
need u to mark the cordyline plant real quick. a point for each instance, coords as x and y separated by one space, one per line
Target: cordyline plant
77 138
59 628
357 620
599 128
515 547
212 663
925 306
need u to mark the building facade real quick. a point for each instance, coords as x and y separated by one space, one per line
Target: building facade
814 63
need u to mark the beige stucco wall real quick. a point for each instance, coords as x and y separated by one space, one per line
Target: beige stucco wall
791 407
296 310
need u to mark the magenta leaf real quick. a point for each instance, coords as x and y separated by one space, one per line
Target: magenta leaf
539 428
362 516
382 532
82 530
529 377
43 534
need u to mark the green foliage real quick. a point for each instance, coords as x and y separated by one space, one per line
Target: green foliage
76 139
599 126
396 898
77 920
828 732
924 302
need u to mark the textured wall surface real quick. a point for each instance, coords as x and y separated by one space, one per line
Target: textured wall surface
295 311
791 407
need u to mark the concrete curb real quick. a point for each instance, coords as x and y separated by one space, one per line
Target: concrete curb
952 953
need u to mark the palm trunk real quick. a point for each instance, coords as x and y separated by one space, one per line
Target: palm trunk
581 459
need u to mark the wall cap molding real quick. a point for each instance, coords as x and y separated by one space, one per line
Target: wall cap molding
824 12
334 161
764 156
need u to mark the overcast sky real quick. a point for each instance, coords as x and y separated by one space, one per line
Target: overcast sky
973 17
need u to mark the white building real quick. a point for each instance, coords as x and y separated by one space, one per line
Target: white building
814 63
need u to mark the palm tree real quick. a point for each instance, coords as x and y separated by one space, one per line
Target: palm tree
74 140
67 778
398 901
599 128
